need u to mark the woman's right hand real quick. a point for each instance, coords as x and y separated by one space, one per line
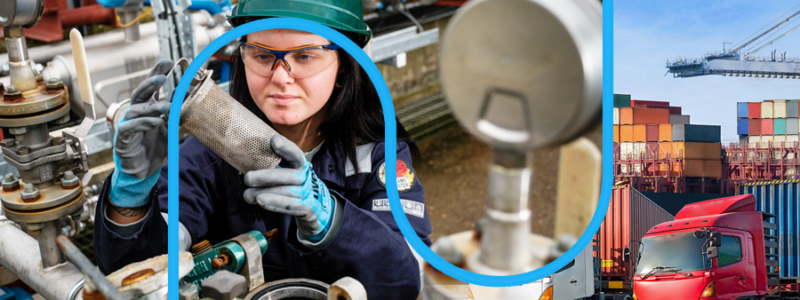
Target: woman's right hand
140 142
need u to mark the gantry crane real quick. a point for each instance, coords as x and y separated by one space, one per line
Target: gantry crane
740 59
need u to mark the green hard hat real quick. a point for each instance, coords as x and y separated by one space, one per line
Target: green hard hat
347 16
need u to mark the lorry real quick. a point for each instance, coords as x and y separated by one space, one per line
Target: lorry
732 248
603 270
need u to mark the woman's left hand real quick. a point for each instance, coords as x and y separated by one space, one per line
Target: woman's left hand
293 190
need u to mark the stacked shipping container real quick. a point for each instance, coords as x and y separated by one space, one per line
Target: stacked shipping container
655 130
770 121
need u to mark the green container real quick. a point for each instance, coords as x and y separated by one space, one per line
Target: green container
779 127
622 100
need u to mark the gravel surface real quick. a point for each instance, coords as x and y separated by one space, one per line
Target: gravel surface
454 169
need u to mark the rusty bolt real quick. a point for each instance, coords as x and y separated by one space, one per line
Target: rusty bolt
11 90
54 84
39 78
70 181
10 183
220 261
18 130
12 94
447 250
30 193
24 150
137 276
9 142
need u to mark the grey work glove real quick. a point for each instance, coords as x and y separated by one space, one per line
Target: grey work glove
293 190
140 142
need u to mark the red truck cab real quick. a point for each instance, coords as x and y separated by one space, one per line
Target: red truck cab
713 250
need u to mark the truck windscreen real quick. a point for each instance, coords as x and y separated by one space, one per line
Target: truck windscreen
680 251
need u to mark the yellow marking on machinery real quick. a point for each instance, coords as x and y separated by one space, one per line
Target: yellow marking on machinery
615 285
607 263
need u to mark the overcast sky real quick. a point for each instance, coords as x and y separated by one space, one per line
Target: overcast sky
648 32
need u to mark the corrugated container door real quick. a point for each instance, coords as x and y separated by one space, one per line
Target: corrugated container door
665 132
639 133
779 110
702 168
741 126
754 110
766 110
754 141
616 133
766 126
792 109
647 116
791 141
639 150
652 133
783 201
676 119
791 126
626 150
616 116
779 126
754 126
778 140
622 100
677 132
625 133
665 150
625 116
741 110
702 133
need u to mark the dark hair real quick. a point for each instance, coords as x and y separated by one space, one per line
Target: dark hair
354 117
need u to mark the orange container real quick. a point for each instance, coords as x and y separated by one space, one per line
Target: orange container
639 133
665 132
689 150
702 168
643 116
625 133
616 133
665 150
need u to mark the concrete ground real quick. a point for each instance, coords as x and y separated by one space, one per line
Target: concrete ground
454 169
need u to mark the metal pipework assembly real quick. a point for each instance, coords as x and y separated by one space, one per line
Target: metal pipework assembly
537 85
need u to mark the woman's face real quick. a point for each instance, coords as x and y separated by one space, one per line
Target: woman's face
285 100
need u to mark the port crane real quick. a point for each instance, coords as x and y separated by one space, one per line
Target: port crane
740 60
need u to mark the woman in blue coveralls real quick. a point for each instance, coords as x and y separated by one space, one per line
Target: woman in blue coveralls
328 199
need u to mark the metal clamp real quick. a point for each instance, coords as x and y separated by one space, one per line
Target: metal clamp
253 271
80 152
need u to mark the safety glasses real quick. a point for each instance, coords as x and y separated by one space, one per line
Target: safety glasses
301 62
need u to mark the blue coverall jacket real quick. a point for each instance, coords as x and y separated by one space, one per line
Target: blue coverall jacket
368 247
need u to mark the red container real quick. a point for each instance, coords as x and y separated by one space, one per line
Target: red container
675 110
645 103
754 127
766 126
630 215
652 133
643 115
754 110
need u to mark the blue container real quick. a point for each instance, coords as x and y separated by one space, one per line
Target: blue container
742 127
779 126
741 110
782 200
696 133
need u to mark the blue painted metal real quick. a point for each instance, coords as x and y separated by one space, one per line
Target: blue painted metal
14 293
742 126
741 110
782 199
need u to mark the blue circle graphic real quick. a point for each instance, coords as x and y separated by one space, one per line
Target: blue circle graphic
390 157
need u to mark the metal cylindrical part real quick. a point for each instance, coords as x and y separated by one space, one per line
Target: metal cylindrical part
504 241
228 128
36 137
132 31
51 255
17 49
19 253
82 262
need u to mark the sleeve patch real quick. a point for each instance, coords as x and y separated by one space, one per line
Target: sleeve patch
413 208
405 176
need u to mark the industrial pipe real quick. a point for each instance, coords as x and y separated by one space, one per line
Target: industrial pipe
90 14
82 262
19 253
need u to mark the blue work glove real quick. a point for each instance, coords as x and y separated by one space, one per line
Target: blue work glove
293 190
140 142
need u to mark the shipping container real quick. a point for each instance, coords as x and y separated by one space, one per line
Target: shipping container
622 100
742 126
652 133
792 109
741 110
674 110
754 127
702 168
640 150
630 215
766 110
689 150
639 133
779 110
645 103
791 141
792 126
625 133
781 199
626 150
664 132
643 116
766 126
616 115
777 141
754 141
696 133
616 133
676 119
779 126
754 110
766 140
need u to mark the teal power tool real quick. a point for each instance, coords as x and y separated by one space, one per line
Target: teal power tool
228 255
